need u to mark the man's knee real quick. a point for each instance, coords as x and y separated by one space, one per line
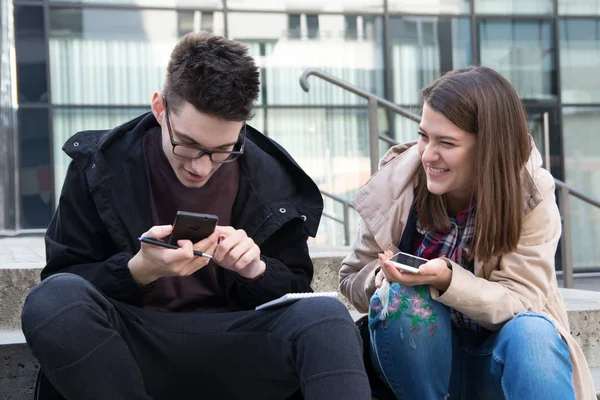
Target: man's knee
315 310
51 296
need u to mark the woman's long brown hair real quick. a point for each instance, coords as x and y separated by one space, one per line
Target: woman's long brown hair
481 101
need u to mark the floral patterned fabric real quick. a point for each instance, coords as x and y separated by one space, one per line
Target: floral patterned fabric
391 302
415 305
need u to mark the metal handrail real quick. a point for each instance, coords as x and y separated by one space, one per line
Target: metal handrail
577 193
374 101
356 90
347 205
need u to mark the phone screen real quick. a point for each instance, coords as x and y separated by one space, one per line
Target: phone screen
408 259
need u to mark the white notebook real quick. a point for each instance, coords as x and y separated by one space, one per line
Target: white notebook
291 297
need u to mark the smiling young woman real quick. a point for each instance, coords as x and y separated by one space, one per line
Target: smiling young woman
483 318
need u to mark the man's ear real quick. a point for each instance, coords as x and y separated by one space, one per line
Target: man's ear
158 107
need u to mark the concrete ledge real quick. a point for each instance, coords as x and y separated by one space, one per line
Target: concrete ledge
583 309
18 368
15 283
20 270
583 306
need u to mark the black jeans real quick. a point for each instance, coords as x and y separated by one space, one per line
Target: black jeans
92 347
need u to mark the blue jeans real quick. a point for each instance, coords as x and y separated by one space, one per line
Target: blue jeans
419 354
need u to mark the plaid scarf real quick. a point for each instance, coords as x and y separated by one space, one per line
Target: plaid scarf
452 243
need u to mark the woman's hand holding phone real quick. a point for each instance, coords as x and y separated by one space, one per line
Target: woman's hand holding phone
237 252
153 262
434 272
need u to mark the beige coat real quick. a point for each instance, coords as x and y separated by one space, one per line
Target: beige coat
521 281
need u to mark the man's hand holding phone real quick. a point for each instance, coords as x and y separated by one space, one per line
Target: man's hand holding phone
434 272
237 252
153 262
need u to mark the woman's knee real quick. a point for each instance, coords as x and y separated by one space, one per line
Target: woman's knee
525 326
530 333
410 309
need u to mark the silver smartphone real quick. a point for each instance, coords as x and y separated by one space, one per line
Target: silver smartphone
407 262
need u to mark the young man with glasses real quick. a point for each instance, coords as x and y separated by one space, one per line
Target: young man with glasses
116 319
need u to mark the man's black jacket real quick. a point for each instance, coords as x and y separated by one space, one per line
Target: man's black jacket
104 207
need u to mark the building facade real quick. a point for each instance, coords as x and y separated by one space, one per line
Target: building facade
68 65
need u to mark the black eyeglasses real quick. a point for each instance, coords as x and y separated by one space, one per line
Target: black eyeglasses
216 156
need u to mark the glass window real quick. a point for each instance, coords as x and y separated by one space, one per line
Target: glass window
579 60
514 6
259 119
307 5
31 54
294 26
198 4
579 7
68 121
35 173
523 52
582 171
101 56
423 47
282 59
351 27
542 120
406 130
430 6
185 22
312 26
337 154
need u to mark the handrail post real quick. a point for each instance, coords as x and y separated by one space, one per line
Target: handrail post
373 134
567 250
346 225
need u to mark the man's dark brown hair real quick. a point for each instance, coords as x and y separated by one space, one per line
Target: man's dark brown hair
214 74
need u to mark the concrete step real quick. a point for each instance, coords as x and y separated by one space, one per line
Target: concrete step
583 306
21 261
18 368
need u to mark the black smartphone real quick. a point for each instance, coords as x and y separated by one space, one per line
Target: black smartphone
407 262
192 226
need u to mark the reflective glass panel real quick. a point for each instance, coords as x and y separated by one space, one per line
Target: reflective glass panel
581 143
102 56
423 47
430 6
198 4
523 52
31 54
332 147
312 6
35 172
285 45
579 60
579 7
514 6
69 121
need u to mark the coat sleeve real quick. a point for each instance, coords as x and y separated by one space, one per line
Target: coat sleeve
357 275
289 269
520 283
77 242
